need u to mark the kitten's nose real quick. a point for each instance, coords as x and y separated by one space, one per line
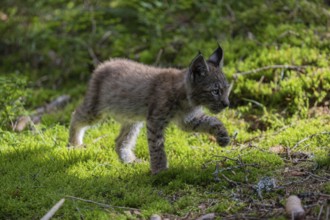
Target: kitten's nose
225 103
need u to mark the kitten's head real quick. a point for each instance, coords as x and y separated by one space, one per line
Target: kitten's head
207 83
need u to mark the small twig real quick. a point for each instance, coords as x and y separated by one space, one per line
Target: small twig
231 12
231 87
254 102
295 182
91 53
327 213
317 177
309 137
289 32
102 204
81 215
227 158
237 167
262 136
105 36
53 210
320 213
99 138
291 67
261 80
159 55
324 195
240 165
229 180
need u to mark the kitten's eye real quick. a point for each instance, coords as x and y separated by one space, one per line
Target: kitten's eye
215 92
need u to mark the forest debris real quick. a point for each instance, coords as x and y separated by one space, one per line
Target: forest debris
328 213
297 173
155 217
317 111
320 213
23 121
289 67
232 182
294 209
101 204
309 137
136 212
296 182
239 165
288 32
53 210
92 54
301 155
212 138
277 149
202 206
209 216
159 55
265 184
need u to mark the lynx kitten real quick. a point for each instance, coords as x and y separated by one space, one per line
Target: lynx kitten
132 92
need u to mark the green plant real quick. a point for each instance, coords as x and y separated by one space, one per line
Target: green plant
13 94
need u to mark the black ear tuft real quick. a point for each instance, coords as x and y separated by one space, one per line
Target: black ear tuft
198 68
217 57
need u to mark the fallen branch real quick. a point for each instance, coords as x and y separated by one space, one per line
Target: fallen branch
53 210
290 67
23 121
101 204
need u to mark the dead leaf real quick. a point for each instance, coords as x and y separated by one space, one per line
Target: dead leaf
277 149
212 139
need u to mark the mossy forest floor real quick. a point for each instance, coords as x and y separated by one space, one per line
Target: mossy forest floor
37 170
277 58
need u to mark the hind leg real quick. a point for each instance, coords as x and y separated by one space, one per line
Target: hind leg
125 142
80 121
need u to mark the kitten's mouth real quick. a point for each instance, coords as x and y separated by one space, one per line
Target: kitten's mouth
215 109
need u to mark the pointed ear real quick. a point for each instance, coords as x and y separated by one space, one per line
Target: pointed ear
217 57
198 68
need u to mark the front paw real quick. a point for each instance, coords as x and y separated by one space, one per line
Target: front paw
223 140
75 146
158 170
159 167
